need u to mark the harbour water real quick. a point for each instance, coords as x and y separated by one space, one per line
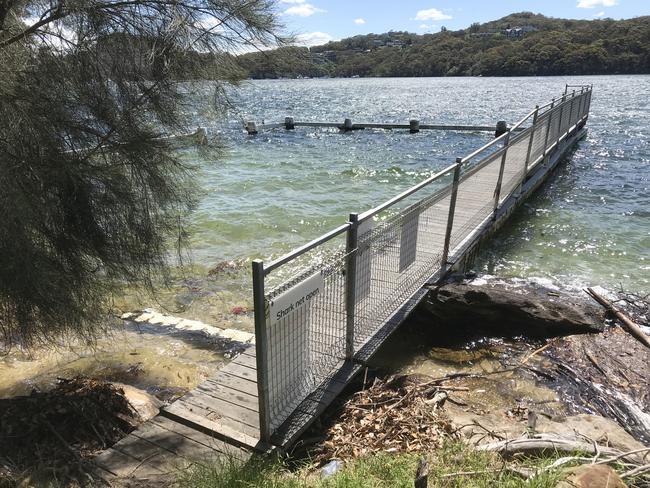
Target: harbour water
590 225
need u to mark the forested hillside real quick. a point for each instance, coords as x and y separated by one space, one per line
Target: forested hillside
519 44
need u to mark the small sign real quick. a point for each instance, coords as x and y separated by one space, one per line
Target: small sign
364 228
409 240
296 298
364 260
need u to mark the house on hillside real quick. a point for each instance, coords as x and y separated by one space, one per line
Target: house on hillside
395 43
518 31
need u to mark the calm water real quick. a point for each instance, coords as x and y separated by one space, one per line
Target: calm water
270 193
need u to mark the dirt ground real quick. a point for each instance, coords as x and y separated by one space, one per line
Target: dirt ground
52 435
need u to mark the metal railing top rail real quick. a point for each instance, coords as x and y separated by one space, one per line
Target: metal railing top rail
306 248
502 137
374 211
554 102
405 194
473 154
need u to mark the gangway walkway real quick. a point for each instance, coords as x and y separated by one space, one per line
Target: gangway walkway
322 310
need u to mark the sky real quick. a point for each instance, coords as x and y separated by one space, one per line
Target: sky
319 21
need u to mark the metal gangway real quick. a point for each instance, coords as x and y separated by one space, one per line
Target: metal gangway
315 328
322 310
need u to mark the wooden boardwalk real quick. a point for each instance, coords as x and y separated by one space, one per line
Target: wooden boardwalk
216 421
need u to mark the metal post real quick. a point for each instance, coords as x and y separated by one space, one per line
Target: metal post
497 190
530 144
261 349
352 249
501 128
251 128
450 218
566 88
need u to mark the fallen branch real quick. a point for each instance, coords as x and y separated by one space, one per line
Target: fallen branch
471 473
637 471
633 329
537 351
545 443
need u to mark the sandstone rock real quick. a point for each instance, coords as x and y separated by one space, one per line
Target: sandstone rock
600 429
498 311
237 335
591 476
475 428
142 402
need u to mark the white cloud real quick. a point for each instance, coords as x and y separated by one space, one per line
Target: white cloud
435 14
313 39
599 14
596 3
303 9
359 21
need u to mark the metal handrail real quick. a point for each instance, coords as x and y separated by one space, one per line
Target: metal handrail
472 155
306 248
374 211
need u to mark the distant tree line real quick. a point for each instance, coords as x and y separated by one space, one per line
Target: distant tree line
538 45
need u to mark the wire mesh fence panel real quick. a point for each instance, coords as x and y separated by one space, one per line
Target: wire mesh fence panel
539 138
554 126
580 108
475 199
515 164
564 119
305 335
395 258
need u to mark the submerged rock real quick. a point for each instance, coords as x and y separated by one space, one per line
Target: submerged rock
498 311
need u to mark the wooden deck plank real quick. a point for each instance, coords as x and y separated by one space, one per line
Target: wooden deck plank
178 445
249 351
240 371
246 360
222 408
235 397
210 441
199 408
123 465
220 429
133 446
227 380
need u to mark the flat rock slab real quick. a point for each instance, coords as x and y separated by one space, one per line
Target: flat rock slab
495 310
591 476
